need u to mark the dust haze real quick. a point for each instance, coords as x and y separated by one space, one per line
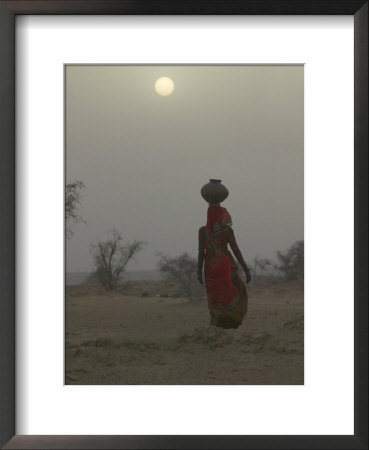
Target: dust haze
144 158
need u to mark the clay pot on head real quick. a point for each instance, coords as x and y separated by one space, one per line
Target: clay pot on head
214 192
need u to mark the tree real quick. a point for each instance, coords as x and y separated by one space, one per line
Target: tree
72 204
111 258
182 268
291 261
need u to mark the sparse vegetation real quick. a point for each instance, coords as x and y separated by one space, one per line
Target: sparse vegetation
260 266
111 258
72 203
182 268
291 261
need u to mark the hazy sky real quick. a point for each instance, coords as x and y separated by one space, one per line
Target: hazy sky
144 157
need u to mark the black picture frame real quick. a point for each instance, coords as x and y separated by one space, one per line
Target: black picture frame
8 11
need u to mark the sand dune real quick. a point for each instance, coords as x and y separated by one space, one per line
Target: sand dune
135 336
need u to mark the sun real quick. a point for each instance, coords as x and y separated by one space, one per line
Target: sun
164 86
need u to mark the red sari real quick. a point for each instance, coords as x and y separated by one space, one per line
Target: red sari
226 293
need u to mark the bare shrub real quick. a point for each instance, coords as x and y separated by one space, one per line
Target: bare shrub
291 261
111 258
72 204
183 269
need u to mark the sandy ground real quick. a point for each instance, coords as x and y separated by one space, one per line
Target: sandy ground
135 336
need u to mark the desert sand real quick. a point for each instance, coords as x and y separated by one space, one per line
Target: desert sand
145 334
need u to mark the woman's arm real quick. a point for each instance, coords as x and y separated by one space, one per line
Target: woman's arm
200 257
237 253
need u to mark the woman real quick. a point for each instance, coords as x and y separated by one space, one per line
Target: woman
226 293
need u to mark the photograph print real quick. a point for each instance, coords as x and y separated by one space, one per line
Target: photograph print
184 224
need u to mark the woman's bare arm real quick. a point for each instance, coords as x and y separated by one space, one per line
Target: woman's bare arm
200 257
237 253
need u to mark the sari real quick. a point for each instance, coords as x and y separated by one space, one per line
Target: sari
226 293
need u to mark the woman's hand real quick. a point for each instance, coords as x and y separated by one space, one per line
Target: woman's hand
199 276
248 275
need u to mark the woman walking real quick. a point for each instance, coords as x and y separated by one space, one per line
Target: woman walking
226 293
